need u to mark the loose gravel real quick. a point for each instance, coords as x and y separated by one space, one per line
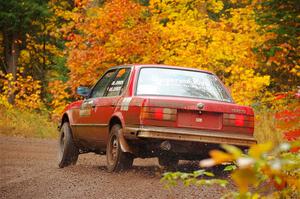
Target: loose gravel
28 169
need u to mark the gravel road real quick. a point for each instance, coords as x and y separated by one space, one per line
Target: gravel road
28 169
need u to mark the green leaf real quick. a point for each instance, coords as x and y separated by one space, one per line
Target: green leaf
208 174
184 175
255 50
277 179
281 31
198 173
230 168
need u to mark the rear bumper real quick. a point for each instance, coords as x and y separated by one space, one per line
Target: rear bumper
183 134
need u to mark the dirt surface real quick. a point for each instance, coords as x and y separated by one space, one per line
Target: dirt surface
28 169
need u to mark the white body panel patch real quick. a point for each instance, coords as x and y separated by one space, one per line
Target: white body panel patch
85 112
125 103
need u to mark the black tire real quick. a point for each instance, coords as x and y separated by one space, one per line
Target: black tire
116 159
68 152
168 162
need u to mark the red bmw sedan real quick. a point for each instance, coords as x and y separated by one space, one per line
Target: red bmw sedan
147 111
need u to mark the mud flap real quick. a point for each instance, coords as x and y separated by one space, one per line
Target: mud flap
124 144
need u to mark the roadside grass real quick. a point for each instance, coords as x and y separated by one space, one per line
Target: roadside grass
14 122
265 128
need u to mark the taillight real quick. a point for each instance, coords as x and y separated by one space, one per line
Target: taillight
238 120
153 113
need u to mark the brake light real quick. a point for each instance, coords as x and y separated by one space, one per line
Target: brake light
158 113
238 120
153 113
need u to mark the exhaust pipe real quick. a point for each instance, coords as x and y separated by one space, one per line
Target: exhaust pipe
166 146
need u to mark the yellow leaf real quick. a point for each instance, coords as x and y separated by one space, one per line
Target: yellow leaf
258 150
243 178
235 151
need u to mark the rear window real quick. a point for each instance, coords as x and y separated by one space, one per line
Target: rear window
181 83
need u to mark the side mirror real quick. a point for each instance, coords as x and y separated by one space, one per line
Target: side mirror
83 91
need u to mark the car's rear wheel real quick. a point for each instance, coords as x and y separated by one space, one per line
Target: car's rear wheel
68 152
168 162
117 160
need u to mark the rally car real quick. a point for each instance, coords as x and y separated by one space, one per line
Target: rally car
148 111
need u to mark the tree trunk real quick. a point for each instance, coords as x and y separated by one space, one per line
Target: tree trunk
11 54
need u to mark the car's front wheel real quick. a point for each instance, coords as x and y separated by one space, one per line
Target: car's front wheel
117 160
68 152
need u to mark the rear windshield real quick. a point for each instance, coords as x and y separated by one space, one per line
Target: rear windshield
181 83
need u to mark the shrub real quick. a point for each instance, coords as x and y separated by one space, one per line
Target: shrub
26 123
266 171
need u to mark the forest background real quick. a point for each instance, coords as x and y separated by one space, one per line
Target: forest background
50 47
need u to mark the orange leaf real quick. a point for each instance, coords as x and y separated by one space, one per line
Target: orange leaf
220 156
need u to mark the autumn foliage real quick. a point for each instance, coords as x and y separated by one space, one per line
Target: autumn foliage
76 42
169 32
114 34
27 91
